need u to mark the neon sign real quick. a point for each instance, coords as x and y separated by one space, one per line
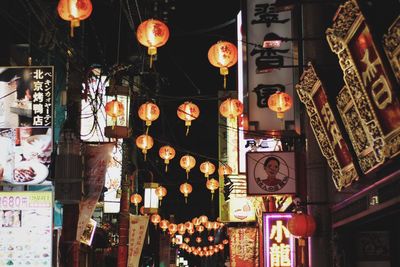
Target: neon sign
279 248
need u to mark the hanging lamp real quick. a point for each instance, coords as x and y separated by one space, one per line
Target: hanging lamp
187 112
148 112
166 153
74 11
223 55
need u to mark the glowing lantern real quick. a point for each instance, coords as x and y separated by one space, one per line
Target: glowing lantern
144 142
188 112
207 168
198 239
223 55
215 225
200 228
190 231
181 228
225 241
221 246
185 189
152 34
148 112
114 109
142 210
212 185
216 250
211 252
136 199
210 238
188 225
301 226
280 102
195 252
186 239
187 162
161 192
224 170
172 228
203 219
74 11
164 225
201 253
231 108
208 225
166 153
196 221
155 219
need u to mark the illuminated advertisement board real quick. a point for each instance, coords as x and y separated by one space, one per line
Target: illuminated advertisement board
26 139
26 228
279 244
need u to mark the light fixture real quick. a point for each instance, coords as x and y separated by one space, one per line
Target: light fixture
74 11
150 198
223 55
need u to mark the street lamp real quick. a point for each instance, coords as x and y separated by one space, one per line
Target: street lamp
150 198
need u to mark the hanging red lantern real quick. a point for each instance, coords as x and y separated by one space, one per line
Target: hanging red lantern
148 112
164 225
208 225
187 162
223 55
207 168
181 228
186 189
74 11
280 102
114 109
166 153
301 226
231 108
212 185
144 142
196 221
188 225
190 231
172 228
136 199
161 192
198 239
186 240
155 219
210 238
188 112
224 170
203 219
152 33
200 228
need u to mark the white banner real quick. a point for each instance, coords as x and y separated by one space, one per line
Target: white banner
97 156
137 233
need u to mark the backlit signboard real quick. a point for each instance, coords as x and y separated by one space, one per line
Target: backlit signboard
26 228
26 138
279 244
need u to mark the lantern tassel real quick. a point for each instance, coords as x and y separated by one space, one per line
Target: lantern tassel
166 167
187 175
144 155
159 203
185 200
151 61
187 130
224 81
147 130
212 196
302 244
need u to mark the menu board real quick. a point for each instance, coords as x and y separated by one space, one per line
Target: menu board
26 228
25 124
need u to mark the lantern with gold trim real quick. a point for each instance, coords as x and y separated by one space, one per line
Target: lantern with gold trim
144 142
212 185
148 112
187 112
152 33
74 11
185 189
207 168
166 153
187 162
224 169
155 219
136 199
231 108
280 102
223 55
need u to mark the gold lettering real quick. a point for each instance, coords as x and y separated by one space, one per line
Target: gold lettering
369 74
381 93
329 120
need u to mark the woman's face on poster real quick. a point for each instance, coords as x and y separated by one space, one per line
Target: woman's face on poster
272 168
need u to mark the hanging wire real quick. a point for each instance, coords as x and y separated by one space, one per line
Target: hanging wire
119 30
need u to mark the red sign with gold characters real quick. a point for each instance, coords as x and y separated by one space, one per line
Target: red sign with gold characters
369 87
243 245
325 127
279 248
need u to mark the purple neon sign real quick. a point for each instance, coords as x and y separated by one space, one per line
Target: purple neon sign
279 248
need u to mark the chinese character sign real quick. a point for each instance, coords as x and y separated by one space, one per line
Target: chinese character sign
42 88
243 245
279 249
268 60
137 233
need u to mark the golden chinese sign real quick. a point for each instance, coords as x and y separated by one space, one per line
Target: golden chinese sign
391 44
279 248
326 130
243 245
371 92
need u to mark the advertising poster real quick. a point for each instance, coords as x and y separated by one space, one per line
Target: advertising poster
26 229
88 233
97 157
137 233
243 245
279 244
26 140
271 173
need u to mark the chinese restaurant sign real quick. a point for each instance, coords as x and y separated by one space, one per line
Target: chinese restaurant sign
26 137
137 233
391 44
269 61
370 96
26 228
279 249
243 246
325 127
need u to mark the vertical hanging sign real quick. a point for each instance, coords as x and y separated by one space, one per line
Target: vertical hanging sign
42 80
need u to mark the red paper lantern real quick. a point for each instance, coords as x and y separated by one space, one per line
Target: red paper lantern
188 112
155 219
224 170
144 142
207 168
148 112
152 33
166 153
231 108
186 189
280 102
74 11
223 55
301 225
187 162
164 225
114 109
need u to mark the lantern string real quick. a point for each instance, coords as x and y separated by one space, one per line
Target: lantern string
119 31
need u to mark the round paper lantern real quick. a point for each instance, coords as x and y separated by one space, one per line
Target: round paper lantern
200 228
225 241
166 153
172 228
155 219
188 112
188 225
144 142
224 170
210 238
161 192
280 102
212 185
141 210
190 231
203 219
207 168
198 239
74 11
148 112
186 189
216 250
186 240
152 33
231 108
187 162
196 221
181 228
208 225
201 253
136 199
195 252
164 225
301 226
215 225
223 55
114 109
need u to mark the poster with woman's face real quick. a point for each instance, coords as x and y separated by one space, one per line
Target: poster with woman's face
270 173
